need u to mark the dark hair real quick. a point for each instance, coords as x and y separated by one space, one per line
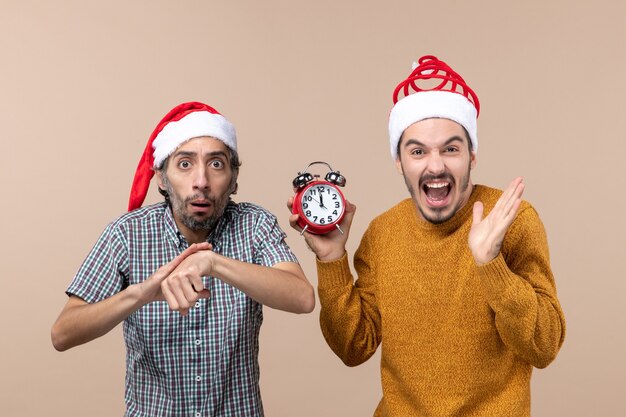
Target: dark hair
235 163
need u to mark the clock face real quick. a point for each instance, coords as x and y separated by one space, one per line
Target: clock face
322 204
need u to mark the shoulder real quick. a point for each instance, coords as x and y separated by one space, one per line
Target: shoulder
254 222
527 223
394 214
389 221
248 215
140 217
247 210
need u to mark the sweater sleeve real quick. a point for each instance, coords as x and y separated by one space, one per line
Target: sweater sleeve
519 286
349 316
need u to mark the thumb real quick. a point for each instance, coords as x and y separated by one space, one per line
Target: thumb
478 213
350 210
293 222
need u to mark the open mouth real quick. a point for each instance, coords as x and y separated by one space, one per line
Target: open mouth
200 205
437 192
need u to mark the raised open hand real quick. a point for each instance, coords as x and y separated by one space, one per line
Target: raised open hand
486 235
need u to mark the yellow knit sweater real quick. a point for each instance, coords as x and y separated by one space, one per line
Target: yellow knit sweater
457 339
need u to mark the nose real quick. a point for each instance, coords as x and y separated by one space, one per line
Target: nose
201 178
435 163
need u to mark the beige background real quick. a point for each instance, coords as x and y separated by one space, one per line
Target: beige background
83 83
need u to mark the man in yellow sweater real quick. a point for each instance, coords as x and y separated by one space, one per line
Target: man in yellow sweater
454 282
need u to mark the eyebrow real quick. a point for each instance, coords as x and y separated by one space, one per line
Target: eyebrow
418 143
189 154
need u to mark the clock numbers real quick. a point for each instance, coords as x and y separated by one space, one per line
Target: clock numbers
321 204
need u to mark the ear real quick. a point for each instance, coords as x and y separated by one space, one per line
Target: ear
399 165
473 160
159 175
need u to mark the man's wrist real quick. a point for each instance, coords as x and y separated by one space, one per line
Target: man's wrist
484 259
333 256
137 295
211 262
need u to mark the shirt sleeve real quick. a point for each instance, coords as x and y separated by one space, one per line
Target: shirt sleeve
270 244
349 315
105 270
519 286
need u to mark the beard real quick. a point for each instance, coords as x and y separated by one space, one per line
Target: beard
438 215
179 204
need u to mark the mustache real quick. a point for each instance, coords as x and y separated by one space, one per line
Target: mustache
443 177
200 196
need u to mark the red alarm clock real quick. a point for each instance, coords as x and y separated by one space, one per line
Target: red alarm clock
320 204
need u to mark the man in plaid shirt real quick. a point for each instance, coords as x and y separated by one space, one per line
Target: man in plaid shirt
188 277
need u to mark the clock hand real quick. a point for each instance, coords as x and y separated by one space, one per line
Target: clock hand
321 205
322 201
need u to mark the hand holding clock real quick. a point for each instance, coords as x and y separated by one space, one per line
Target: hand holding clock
330 246
321 226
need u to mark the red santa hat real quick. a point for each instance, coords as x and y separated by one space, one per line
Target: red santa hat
184 122
450 99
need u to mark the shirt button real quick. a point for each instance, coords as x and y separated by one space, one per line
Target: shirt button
198 378
197 304
198 414
198 342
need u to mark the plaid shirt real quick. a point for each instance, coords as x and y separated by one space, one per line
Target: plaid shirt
202 364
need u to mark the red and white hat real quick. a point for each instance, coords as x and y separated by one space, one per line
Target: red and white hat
450 99
184 122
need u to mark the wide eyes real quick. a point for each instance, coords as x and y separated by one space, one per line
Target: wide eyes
417 152
215 164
